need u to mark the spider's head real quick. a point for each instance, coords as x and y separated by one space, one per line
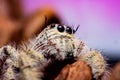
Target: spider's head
61 39
56 41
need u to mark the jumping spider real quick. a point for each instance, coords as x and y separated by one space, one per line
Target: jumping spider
55 44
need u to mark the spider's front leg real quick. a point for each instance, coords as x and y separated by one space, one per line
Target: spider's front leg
93 58
96 62
8 56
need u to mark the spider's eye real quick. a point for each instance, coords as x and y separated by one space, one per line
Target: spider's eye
52 25
60 28
69 30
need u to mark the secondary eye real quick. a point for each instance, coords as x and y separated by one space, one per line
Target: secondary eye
69 30
52 25
60 28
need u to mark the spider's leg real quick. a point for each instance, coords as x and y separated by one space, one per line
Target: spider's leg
30 64
93 58
96 61
8 56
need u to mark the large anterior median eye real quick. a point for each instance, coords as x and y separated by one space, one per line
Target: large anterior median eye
60 28
69 30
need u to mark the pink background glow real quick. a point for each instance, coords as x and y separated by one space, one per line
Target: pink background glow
99 20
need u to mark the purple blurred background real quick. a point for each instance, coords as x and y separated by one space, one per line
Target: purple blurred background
99 20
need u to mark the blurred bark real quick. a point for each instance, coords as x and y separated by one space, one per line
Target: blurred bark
8 29
12 9
15 9
16 27
36 22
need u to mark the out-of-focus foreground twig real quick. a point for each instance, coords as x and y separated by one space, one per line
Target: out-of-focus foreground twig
76 71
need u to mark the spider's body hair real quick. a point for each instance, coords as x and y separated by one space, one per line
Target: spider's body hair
23 66
31 60
30 66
